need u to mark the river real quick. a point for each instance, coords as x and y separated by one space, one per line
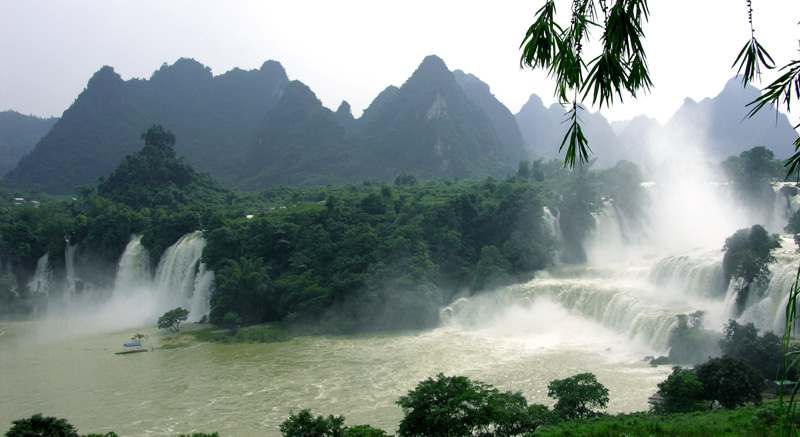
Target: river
248 389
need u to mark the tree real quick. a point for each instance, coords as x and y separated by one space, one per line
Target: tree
682 392
37 425
730 381
793 227
172 319
139 337
753 173
748 253
764 353
577 396
689 342
457 406
232 321
303 424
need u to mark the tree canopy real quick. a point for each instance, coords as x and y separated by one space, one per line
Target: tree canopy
172 319
578 396
748 254
458 406
730 381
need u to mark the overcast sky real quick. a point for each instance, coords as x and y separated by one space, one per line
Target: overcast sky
352 50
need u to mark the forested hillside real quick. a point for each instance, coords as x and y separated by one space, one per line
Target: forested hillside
256 129
347 257
215 117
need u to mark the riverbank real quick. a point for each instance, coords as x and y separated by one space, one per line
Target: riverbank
266 333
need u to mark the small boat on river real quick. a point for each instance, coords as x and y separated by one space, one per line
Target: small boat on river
132 348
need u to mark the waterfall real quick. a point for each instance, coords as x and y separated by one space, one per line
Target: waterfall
133 269
554 228
73 283
766 310
640 300
182 277
787 201
40 283
696 273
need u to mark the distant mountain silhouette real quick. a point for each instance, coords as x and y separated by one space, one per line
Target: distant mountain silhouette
430 128
504 122
543 130
255 129
215 119
718 127
18 136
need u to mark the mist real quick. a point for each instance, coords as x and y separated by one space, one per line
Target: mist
137 296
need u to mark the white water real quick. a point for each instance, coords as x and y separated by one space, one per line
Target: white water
40 283
554 227
137 297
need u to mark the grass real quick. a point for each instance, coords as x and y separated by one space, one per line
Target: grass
255 334
746 421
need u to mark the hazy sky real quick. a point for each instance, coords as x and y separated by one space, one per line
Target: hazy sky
352 50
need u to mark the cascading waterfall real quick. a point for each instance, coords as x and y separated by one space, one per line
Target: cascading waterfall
554 227
697 273
787 202
181 275
767 310
632 290
134 266
70 263
41 277
137 297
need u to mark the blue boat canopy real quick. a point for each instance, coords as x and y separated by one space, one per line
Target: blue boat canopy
132 344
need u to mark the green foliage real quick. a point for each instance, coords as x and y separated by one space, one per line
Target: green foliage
491 270
689 342
752 174
457 406
580 199
376 257
623 184
730 381
215 116
764 353
708 423
252 334
748 253
303 424
172 319
37 425
793 227
246 287
365 431
231 320
156 177
682 392
577 396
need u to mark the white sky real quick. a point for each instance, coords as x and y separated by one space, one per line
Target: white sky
352 50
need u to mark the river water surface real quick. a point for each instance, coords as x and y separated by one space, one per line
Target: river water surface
248 389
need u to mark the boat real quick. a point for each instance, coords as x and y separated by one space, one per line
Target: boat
131 348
